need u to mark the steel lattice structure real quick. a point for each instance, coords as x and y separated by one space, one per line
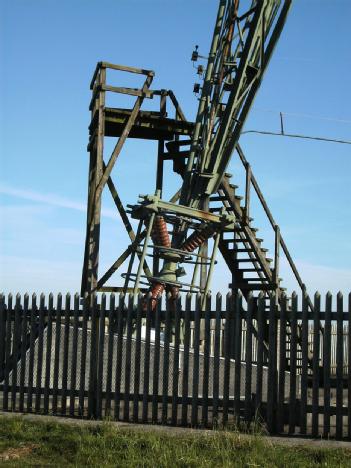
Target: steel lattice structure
206 206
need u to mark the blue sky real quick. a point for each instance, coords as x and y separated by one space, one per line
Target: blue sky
49 49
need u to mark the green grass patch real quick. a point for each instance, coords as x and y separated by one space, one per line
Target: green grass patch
28 443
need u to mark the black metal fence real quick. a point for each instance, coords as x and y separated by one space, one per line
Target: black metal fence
185 363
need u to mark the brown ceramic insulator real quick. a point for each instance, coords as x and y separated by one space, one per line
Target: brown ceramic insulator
174 293
197 238
160 235
154 232
174 290
156 291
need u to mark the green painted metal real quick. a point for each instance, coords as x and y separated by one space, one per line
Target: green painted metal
143 255
152 203
235 68
243 41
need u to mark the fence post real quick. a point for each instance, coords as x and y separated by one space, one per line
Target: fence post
260 344
326 364
349 373
175 378
15 350
39 363
24 343
304 364
293 348
31 353
195 392
339 366
2 335
73 379
48 353
227 354
315 364
282 363
111 329
165 373
156 367
119 351
57 352
146 386
137 358
216 363
248 358
272 365
65 353
93 358
185 383
128 355
237 354
82 377
8 340
100 355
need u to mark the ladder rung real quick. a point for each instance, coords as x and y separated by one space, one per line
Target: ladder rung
252 287
246 260
177 143
231 241
250 280
228 241
247 270
218 198
168 156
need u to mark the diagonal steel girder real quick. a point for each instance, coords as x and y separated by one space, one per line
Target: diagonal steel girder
212 154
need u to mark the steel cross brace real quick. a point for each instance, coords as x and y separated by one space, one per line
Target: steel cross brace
152 203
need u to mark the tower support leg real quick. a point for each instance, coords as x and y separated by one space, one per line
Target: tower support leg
92 241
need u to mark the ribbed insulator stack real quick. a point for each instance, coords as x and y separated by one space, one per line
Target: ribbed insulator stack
197 238
156 291
160 235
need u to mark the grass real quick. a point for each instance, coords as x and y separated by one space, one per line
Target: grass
28 443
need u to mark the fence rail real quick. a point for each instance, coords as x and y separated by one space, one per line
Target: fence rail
231 363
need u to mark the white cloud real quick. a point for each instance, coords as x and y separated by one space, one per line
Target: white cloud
51 199
41 249
35 227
